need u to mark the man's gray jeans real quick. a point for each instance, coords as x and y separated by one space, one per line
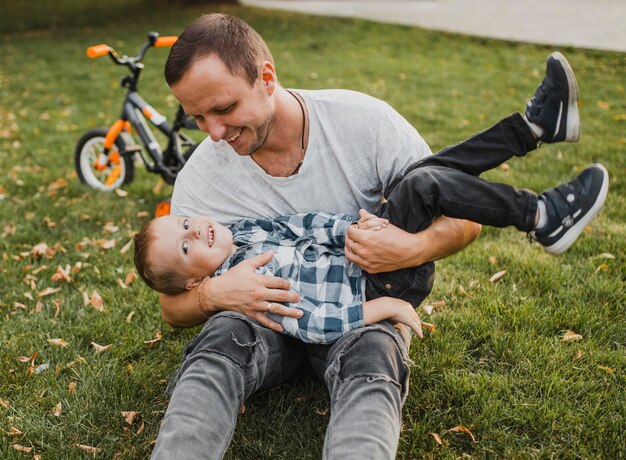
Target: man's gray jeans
366 372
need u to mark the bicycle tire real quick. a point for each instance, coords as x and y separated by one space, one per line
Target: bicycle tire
88 148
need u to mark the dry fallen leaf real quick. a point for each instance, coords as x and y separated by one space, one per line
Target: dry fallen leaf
26 450
607 369
579 354
57 410
437 438
141 429
602 267
58 342
130 316
62 275
129 416
121 193
497 276
110 227
85 299
27 359
101 348
428 326
152 343
106 244
4 403
143 213
464 429
15 432
571 336
126 247
88 449
322 412
96 301
58 184
428 309
72 388
604 255
41 250
505 167
130 277
120 283
48 291
77 266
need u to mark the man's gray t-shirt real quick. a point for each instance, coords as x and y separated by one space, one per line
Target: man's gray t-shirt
357 146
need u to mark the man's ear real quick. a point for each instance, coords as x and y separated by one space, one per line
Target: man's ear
193 283
267 73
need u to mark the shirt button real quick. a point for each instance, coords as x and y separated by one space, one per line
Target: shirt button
388 286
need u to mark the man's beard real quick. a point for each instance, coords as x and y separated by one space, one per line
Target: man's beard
260 136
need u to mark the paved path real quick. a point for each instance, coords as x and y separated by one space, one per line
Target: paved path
595 24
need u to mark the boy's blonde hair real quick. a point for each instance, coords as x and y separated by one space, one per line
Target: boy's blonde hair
166 280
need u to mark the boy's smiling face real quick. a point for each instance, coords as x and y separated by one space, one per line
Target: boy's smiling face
195 246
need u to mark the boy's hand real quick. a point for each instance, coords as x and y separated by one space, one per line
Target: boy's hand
390 308
369 221
403 312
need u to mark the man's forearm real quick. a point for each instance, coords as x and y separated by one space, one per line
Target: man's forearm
446 236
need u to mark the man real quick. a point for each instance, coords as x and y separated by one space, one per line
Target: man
275 152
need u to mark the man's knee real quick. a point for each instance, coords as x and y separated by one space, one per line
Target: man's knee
230 336
375 352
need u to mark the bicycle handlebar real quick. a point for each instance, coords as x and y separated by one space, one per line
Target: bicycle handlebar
98 50
103 49
165 41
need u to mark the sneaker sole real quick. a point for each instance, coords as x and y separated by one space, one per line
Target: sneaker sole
574 232
572 132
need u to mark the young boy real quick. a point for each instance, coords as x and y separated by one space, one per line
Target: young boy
173 254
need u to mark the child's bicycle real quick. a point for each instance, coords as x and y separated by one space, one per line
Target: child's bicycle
104 157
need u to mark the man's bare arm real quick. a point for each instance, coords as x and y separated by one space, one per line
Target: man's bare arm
392 248
240 289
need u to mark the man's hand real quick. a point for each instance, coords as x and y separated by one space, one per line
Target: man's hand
388 249
243 290
392 248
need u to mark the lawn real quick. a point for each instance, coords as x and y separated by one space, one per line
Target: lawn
532 365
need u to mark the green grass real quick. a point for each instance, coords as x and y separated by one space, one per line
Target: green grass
495 364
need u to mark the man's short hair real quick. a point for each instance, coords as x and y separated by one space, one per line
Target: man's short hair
163 280
238 45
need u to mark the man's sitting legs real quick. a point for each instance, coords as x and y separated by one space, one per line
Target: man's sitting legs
231 358
367 375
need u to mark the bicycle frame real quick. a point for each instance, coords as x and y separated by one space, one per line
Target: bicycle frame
135 111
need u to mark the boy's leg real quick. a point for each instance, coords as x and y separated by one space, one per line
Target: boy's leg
431 191
553 111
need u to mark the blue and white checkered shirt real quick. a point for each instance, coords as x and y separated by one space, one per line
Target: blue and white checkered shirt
309 252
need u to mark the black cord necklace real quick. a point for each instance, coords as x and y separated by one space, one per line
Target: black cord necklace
302 135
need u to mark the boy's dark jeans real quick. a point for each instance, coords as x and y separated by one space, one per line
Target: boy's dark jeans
448 184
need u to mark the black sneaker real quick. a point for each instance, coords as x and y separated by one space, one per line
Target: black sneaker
571 206
554 106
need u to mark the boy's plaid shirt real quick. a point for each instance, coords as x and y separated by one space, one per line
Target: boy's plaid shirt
309 252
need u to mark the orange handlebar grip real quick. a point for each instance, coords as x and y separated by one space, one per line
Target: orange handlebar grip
98 50
165 41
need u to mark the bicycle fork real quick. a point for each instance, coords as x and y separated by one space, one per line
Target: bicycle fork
113 158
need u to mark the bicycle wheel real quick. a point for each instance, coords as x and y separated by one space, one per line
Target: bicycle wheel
118 170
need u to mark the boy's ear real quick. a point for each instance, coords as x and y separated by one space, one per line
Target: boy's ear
192 283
